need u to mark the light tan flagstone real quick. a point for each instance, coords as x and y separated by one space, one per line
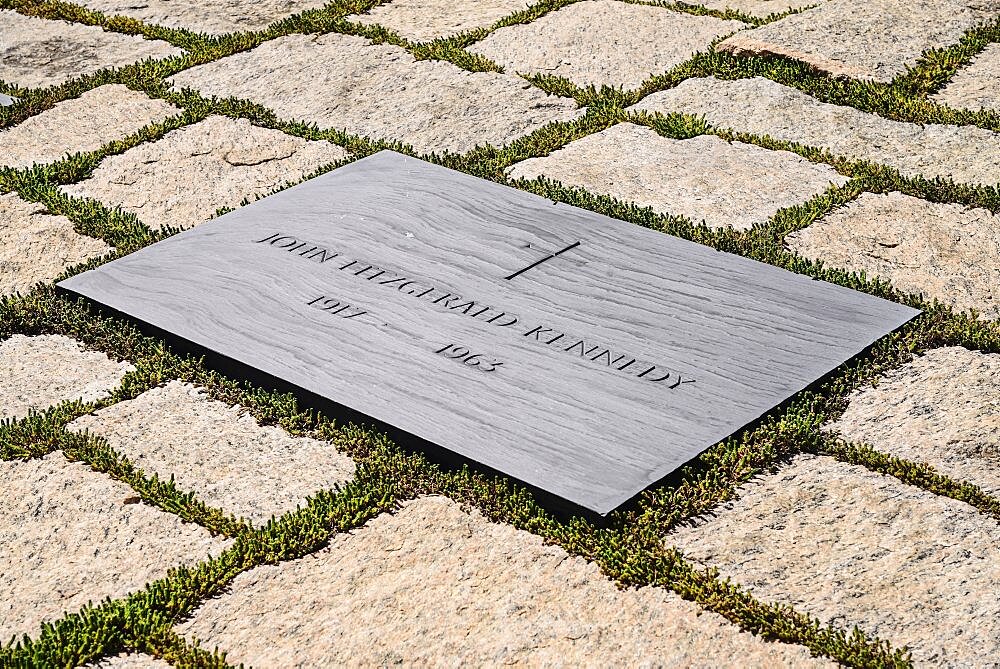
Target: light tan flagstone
81 124
942 409
37 372
943 251
380 91
703 178
72 535
218 451
877 39
603 42
214 17
426 20
131 661
977 85
36 246
760 106
432 584
186 176
37 53
759 8
853 547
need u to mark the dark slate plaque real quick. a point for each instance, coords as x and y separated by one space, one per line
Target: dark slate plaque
584 356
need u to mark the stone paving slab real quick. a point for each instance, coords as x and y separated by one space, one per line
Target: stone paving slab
763 107
426 20
943 251
380 91
215 17
874 40
81 124
131 661
977 85
37 53
37 246
432 584
38 372
759 8
854 547
72 535
186 176
603 42
218 451
943 409
702 178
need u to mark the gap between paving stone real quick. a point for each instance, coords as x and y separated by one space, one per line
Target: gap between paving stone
703 178
380 91
130 661
758 106
432 584
426 20
977 85
759 8
218 451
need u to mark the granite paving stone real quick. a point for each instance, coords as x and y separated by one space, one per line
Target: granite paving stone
758 8
874 40
183 178
37 246
38 53
215 17
977 85
948 252
218 451
702 178
603 42
760 106
380 91
943 409
130 661
40 371
72 535
854 547
426 20
82 124
433 584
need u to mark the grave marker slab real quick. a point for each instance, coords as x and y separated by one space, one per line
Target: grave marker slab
584 356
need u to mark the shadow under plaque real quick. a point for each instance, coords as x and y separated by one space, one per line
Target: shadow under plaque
581 355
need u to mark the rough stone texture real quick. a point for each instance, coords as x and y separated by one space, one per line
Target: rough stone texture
218 452
36 53
871 40
434 585
976 86
183 178
943 409
762 107
131 661
37 246
37 372
426 20
603 42
82 124
854 547
378 90
215 17
760 8
703 178
943 251
71 535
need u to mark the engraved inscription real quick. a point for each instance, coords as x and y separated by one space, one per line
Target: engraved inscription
464 355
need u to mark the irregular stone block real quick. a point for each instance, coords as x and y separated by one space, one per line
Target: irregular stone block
874 40
760 8
603 42
186 176
943 409
762 107
380 91
703 178
853 547
977 85
216 17
131 661
37 372
218 451
36 53
81 124
426 20
943 251
72 535
434 585
36 246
